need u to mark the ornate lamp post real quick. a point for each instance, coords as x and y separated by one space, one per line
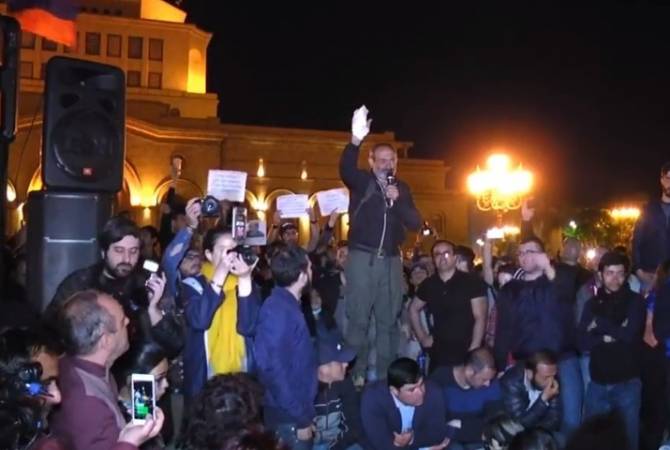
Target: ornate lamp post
498 187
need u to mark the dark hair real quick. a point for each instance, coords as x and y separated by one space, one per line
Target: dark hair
546 357
30 342
480 359
84 321
439 242
20 406
467 254
142 357
534 239
665 168
213 235
253 439
116 229
227 404
621 249
613 259
287 264
602 432
533 439
153 232
403 371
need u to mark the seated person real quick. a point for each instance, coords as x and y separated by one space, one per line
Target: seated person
530 392
338 421
404 410
472 396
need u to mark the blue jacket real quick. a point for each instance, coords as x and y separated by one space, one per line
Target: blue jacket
381 418
286 361
172 257
651 238
200 304
531 317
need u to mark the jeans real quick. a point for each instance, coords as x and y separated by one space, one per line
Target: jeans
287 434
373 287
621 397
571 394
584 362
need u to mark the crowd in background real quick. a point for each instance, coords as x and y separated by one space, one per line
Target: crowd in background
344 344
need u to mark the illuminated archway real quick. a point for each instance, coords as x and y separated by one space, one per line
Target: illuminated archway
186 188
196 82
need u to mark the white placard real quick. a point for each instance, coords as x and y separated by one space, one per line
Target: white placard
256 230
333 199
227 185
292 206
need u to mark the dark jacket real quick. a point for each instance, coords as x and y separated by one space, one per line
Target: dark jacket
286 361
473 407
531 317
131 294
367 222
651 238
200 304
338 415
515 397
660 300
621 316
381 418
88 417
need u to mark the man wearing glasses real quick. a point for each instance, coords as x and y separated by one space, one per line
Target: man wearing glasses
457 307
651 238
531 317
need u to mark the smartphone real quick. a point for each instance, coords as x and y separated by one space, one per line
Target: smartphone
150 266
495 233
239 223
142 389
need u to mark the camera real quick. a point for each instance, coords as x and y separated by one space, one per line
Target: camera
210 206
247 254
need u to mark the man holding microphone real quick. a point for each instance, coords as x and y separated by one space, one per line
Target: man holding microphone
380 210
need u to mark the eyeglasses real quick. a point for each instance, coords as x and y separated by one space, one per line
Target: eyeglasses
444 254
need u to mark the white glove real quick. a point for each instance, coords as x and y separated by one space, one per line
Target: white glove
360 125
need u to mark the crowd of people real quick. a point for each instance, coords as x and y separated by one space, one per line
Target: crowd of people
346 344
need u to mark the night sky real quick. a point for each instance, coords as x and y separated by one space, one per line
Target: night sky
578 94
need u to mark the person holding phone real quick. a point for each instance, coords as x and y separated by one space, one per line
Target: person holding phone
220 308
146 359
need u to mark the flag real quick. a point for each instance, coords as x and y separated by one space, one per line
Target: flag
52 19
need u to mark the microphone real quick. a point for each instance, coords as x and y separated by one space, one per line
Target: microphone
390 181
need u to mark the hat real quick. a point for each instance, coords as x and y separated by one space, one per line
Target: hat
332 349
287 226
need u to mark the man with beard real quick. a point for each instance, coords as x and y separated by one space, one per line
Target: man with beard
285 357
530 392
651 238
118 275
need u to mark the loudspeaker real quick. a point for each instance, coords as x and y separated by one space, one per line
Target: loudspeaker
63 237
84 126
11 39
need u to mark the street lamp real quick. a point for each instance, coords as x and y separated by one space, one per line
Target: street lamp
498 187
625 213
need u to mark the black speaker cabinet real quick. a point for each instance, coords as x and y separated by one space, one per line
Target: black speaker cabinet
63 232
84 126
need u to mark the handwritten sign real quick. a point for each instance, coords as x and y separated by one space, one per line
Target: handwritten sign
333 200
292 206
227 185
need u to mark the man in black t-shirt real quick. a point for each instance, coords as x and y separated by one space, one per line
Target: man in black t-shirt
457 308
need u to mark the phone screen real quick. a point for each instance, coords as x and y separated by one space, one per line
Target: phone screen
239 223
143 399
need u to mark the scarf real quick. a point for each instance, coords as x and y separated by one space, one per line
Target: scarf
225 347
